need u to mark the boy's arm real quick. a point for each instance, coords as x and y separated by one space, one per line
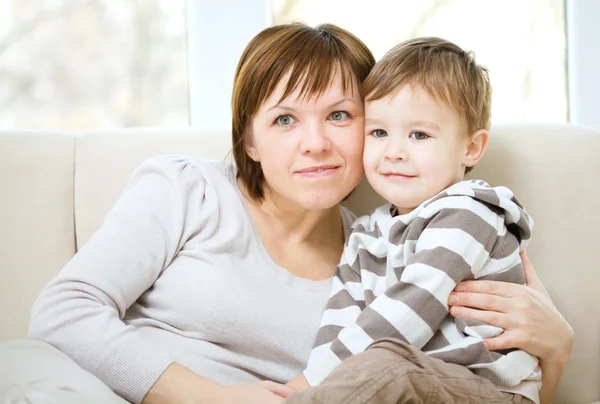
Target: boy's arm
343 307
346 301
453 246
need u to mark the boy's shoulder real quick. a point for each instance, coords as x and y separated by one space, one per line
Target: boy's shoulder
376 222
460 203
471 193
468 202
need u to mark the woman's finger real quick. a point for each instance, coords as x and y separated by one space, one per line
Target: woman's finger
280 389
482 301
504 341
532 277
530 274
490 287
489 317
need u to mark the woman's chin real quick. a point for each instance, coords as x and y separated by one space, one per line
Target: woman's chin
321 201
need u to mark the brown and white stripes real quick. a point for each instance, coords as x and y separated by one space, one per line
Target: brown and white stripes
397 272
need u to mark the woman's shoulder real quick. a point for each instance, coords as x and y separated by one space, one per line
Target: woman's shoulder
185 170
178 164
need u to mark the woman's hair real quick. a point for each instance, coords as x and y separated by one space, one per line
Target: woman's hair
307 57
442 69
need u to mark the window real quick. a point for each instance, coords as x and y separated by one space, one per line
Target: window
79 65
522 43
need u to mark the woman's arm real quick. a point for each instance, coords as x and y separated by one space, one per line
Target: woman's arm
179 385
80 312
528 316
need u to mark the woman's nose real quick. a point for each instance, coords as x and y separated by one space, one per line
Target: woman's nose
315 140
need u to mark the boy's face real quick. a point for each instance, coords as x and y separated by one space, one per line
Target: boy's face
414 147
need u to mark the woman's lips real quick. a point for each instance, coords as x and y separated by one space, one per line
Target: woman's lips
318 171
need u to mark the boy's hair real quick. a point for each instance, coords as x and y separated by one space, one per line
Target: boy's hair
311 57
442 69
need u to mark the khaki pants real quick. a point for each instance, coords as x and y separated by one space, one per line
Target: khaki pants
35 372
391 371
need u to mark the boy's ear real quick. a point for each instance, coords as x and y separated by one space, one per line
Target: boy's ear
476 147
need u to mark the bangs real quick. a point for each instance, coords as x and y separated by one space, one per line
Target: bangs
439 82
311 62
315 78
443 70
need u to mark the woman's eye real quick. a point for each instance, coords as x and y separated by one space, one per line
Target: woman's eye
419 136
379 133
338 116
285 120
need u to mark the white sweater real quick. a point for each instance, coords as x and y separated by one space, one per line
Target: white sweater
178 273
397 272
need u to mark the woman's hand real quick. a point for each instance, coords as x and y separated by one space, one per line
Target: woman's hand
266 392
530 321
179 385
526 313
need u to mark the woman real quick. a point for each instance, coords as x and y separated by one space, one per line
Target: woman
208 277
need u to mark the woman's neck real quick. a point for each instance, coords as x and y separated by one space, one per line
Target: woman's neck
293 222
307 243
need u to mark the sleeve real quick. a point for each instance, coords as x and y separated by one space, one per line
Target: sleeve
346 300
343 307
453 245
80 311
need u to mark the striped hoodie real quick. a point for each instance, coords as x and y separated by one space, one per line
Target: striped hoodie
397 272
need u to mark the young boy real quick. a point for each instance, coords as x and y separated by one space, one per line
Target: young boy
427 109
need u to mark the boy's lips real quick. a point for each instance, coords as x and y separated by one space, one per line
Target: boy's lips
394 174
397 176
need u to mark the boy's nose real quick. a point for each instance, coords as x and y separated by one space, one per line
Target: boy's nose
395 150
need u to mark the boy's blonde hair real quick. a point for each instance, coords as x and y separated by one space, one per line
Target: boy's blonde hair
441 68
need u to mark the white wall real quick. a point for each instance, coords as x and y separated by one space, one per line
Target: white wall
583 61
215 45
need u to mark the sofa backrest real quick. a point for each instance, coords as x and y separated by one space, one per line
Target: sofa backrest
48 180
37 232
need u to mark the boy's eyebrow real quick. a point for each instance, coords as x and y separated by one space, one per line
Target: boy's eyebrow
371 120
410 123
424 123
335 104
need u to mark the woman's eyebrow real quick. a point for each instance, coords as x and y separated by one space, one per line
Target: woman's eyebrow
335 104
280 106
286 108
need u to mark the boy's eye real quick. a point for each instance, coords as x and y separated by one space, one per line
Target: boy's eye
285 120
419 136
338 115
379 133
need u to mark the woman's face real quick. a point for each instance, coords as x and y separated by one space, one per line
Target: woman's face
310 149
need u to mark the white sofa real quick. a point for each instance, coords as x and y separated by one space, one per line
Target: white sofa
56 188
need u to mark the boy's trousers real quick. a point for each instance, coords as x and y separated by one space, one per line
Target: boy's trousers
391 371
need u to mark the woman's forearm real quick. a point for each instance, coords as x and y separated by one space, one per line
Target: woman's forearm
551 372
179 385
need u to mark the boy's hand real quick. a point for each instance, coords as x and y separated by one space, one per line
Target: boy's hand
298 383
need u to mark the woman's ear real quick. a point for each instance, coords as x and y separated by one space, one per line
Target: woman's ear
250 148
476 147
